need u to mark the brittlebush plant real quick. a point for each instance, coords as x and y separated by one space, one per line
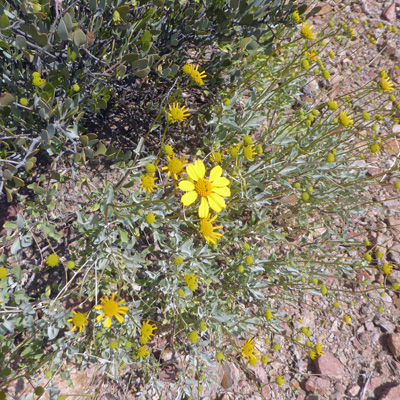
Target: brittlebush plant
211 247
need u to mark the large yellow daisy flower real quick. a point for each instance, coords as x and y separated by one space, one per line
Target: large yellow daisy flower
210 190
111 308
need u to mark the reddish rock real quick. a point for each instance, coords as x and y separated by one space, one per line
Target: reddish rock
301 396
392 394
393 342
353 390
373 384
330 366
266 392
390 13
318 385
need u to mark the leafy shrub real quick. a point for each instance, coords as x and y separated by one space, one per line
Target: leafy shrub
230 204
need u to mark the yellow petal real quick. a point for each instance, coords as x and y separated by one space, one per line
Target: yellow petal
99 317
215 173
220 182
73 328
189 198
200 168
191 170
119 318
98 306
113 297
203 209
69 320
223 191
186 186
107 323
217 203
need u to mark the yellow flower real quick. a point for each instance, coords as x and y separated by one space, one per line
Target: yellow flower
306 331
147 182
248 140
210 190
177 113
296 17
168 150
175 166
216 157
3 272
150 218
248 349
234 150
79 320
187 69
312 354
318 349
23 101
383 73
374 148
142 352
269 315
111 309
52 260
191 281
249 152
387 84
194 336
387 269
38 81
207 230
312 55
147 329
332 105
347 319
197 76
279 380
306 31
345 119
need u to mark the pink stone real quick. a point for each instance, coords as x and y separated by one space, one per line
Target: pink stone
317 384
393 342
330 366
390 13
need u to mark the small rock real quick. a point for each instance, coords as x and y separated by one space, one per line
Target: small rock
394 253
396 128
266 391
325 9
385 325
393 342
390 13
317 384
374 383
301 396
330 366
340 388
353 390
369 326
392 394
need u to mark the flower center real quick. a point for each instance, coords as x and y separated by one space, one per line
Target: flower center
175 166
177 113
147 182
206 228
203 187
78 319
110 308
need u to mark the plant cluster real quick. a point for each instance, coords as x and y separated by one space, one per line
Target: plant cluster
228 207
